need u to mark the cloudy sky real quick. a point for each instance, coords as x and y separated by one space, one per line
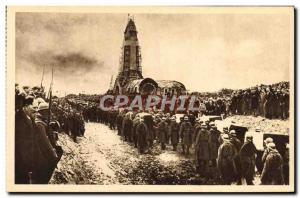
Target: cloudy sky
206 52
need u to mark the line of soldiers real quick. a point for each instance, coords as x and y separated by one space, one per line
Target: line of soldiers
36 149
218 155
70 119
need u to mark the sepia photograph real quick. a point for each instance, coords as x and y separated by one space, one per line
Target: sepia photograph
150 99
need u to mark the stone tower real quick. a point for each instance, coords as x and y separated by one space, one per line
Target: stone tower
130 59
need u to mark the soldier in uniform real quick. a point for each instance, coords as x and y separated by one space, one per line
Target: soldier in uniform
174 132
135 122
214 144
197 128
163 132
119 123
155 125
141 131
286 166
225 161
47 156
127 127
237 144
24 141
272 173
247 159
266 151
225 131
186 132
202 150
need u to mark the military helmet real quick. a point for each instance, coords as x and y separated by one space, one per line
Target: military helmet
232 133
43 106
271 145
225 136
268 140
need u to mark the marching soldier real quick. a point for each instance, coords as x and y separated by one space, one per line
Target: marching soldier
225 161
266 151
135 123
127 127
163 133
202 150
214 144
186 132
225 131
197 128
286 166
247 159
174 131
141 131
272 172
119 123
237 144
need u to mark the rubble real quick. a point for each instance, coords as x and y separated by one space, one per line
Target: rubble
266 125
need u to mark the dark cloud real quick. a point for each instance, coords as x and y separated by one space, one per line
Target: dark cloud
71 62
74 59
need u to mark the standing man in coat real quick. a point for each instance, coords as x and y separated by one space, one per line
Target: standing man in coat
272 173
202 150
214 144
119 123
135 123
174 132
197 128
237 144
247 159
186 132
225 161
141 131
46 155
127 127
163 133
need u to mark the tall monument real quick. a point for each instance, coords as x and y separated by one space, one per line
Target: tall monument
130 60
130 79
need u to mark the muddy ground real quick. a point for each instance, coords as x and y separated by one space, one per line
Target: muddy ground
102 157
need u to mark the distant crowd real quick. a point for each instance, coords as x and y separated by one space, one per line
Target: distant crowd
270 101
219 155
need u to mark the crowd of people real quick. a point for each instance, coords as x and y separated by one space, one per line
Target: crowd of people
38 120
36 135
219 155
270 101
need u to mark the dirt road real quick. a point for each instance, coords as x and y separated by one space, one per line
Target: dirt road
102 157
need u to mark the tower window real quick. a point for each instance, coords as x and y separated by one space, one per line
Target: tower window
126 55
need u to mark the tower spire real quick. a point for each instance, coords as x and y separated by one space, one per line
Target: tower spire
130 59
